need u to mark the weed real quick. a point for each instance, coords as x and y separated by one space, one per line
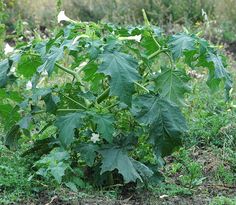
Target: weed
171 190
14 183
222 200
225 175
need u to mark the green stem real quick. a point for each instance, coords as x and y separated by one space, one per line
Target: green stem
111 106
156 42
74 101
156 53
103 96
139 85
68 110
73 73
59 110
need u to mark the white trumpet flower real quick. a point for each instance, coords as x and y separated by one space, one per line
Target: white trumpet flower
8 49
95 137
62 17
132 38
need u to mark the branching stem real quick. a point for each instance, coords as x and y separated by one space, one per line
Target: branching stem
71 72
74 101
156 53
141 86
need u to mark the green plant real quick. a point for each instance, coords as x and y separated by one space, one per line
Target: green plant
225 175
222 200
14 183
193 175
116 95
172 190
190 173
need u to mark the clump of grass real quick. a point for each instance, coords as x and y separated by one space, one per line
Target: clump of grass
222 200
14 183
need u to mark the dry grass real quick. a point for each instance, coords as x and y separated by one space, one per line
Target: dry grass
40 12
225 10
162 12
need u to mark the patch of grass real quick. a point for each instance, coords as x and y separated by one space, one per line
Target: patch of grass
210 118
187 172
171 190
17 184
225 175
14 183
222 200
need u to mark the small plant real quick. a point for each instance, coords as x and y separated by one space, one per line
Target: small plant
100 87
225 175
14 185
172 190
222 200
190 174
193 176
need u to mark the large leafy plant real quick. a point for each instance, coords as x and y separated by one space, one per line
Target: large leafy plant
92 95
